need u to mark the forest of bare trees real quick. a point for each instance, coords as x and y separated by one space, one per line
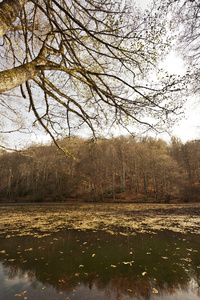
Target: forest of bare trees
70 65
117 169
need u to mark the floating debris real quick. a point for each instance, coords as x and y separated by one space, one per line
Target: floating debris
155 291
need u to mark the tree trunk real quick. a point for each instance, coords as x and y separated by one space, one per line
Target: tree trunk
9 182
113 185
12 78
145 180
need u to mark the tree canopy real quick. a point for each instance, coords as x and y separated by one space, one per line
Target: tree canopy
82 62
118 169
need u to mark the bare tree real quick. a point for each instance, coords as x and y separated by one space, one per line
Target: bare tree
84 63
187 14
184 25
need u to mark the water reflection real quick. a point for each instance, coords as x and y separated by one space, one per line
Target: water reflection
73 264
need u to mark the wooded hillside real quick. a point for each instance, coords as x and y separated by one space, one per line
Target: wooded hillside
118 169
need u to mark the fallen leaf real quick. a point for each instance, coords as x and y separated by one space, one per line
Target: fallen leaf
155 291
144 273
186 259
128 262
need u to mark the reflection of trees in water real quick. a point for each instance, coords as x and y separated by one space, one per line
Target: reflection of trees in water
114 289
15 270
142 288
55 260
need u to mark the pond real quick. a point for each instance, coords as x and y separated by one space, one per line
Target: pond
100 251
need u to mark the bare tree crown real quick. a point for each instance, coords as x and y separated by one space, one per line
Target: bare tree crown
82 62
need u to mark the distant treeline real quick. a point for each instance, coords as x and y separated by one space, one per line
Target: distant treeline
118 169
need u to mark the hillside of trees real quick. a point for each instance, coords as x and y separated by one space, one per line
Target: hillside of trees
117 169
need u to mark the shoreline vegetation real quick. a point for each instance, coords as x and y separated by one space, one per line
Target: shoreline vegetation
68 201
117 170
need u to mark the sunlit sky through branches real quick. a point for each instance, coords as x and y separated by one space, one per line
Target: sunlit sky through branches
188 128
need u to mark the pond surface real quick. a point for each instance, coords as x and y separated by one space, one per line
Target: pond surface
96 252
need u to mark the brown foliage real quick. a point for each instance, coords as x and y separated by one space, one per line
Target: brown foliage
120 169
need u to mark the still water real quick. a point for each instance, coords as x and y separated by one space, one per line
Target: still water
70 263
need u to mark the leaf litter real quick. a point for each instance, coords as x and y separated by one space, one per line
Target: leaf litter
43 220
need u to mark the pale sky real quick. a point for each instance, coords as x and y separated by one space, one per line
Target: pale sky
189 127
143 3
